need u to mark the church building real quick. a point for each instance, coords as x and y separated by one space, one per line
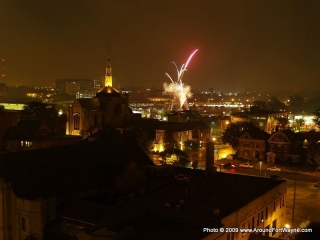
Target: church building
108 107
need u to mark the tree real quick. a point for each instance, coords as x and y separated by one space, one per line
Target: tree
297 104
261 104
142 138
313 154
192 144
39 111
176 157
235 130
317 119
276 105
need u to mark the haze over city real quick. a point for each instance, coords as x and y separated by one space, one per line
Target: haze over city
243 45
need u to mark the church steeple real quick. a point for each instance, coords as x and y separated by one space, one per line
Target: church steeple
108 76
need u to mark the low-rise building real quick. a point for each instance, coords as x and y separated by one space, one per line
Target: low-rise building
285 146
190 205
269 121
35 134
253 145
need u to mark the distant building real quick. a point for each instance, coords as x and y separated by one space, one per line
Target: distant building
7 120
253 145
269 121
3 90
73 86
174 134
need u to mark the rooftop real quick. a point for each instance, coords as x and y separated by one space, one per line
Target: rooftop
173 206
198 195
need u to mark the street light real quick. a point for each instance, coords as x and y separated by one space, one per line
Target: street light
221 165
260 167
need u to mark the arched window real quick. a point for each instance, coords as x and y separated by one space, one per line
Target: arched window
76 121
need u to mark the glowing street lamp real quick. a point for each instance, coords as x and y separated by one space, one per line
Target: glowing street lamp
260 167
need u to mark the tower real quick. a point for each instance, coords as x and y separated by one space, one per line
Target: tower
108 76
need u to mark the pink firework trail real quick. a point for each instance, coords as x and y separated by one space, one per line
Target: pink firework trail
178 89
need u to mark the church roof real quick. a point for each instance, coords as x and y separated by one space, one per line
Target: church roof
108 91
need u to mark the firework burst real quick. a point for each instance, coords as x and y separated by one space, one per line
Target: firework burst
177 89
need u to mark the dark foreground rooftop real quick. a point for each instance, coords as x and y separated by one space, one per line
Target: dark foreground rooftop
177 204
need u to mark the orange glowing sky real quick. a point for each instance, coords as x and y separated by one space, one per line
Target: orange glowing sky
265 44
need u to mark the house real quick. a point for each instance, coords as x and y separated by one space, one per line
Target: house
253 145
285 146
35 134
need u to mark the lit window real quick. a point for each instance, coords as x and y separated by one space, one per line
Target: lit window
76 121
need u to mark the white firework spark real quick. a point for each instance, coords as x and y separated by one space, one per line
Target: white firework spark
178 89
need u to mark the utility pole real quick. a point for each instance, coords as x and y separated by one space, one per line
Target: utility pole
294 197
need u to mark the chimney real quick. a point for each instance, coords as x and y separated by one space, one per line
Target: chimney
210 168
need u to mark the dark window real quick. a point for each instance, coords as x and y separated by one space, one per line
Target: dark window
243 226
252 221
228 236
272 147
267 233
274 225
23 224
267 210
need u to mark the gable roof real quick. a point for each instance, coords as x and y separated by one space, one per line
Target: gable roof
286 136
26 128
256 134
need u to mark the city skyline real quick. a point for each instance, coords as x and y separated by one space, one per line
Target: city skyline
251 45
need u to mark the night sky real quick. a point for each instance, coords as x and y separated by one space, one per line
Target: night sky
243 45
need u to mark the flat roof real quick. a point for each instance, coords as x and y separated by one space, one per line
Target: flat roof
200 195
